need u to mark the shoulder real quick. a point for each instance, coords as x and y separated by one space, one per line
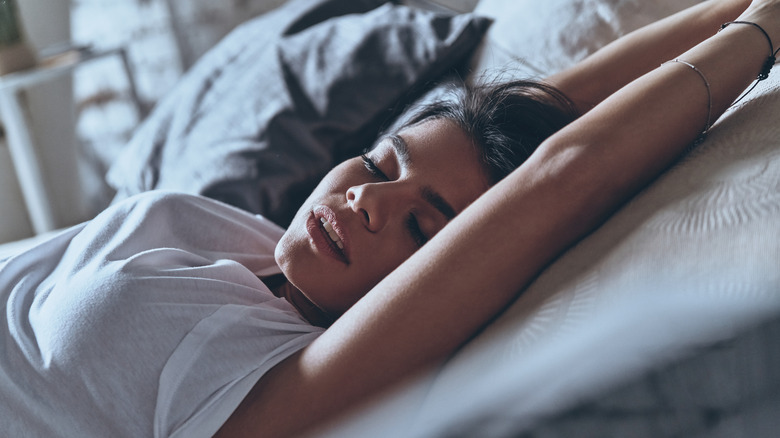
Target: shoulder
173 203
177 223
183 211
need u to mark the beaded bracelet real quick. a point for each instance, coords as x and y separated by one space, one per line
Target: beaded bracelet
768 64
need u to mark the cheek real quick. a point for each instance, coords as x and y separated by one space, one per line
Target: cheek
292 252
385 261
284 253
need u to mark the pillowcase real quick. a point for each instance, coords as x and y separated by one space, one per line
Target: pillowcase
536 39
264 115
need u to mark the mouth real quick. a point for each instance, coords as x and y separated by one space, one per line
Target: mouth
327 235
334 237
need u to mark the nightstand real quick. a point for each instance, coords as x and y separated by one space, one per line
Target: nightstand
15 119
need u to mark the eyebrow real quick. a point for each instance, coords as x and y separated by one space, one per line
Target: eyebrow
430 195
401 149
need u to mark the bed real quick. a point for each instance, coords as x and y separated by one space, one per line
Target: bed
663 322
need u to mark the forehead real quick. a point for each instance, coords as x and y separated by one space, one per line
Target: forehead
440 154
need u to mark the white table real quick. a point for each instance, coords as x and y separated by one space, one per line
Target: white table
18 127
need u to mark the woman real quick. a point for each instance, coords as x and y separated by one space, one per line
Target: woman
638 118
164 308
415 315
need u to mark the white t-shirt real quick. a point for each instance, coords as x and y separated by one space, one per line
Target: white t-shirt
149 320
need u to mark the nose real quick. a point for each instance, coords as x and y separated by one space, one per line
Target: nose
375 203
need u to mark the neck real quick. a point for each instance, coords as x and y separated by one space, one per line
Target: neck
282 288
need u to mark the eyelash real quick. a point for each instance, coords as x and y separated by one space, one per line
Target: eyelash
411 222
414 229
373 168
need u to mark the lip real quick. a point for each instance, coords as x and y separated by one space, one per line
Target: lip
320 238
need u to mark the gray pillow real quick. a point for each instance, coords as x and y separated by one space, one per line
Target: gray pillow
267 112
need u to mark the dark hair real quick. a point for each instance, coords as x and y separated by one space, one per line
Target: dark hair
506 120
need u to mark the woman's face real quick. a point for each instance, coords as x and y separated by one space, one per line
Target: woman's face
370 213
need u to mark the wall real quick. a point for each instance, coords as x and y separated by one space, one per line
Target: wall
106 114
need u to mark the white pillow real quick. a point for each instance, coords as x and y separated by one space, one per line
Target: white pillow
536 38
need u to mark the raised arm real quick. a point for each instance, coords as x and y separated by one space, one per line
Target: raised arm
611 68
425 309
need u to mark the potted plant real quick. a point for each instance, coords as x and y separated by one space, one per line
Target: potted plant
15 54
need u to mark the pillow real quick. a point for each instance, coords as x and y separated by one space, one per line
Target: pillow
263 116
536 39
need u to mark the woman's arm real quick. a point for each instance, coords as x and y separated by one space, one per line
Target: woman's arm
611 68
428 307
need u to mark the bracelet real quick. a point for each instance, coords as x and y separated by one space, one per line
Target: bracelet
707 126
768 64
771 59
763 74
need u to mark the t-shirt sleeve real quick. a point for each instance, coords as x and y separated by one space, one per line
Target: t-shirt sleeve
218 363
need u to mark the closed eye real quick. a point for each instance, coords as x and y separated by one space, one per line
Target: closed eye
412 224
416 232
373 168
